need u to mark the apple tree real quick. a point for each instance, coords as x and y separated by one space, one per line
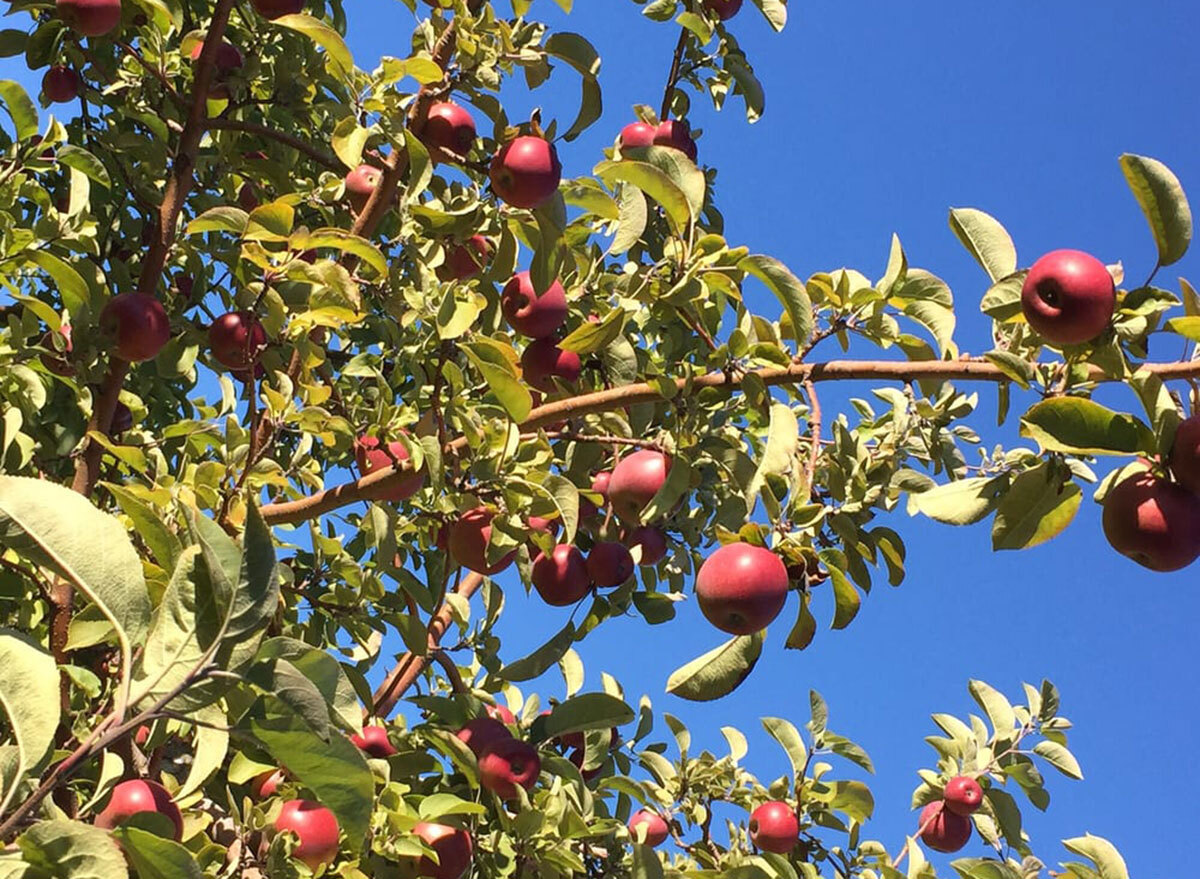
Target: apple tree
299 356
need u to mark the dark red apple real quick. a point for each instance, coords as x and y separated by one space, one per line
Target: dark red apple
1185 454
1068 297
452 846
530 314
372 455
963 795
236 340
509 764
138 795
466 260
723 9
481 732
468 542
277 8
635 480
526 171
561 578
609 564
122 420
774 828
90 18
315 826
228 56
449 132
60 84
946 831
542 361
741 588
360 183
136 326
637 134
655 825
266 784
247 196
676 133
374 742
1154 522
652 541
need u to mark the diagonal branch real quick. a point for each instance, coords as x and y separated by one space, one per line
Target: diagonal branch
324 157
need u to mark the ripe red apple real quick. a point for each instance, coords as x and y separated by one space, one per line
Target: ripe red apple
509 764
449 132
266 784
1154 522
315 826
609 564
652 541
947 831
600 483
1068 297
530 314
500 713
526 171
637 134
139 795
774 828
676 133
1185 454
963 795
561 578
236 340
481 732
90 18
542 361
635 480
372 455
374 742
136 325
543 526
465 260
60 84
228 57
723 9
741 588
360 183
657 830
277 8
452 846
468 542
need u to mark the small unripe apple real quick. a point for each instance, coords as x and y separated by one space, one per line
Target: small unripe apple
374 742
509 764
236 340
315 827
542 361
228 56
655 825
138 795
600 483
774 828
1185 454
266 784
723 9
90 18
609 564
637 134
60 84
481 732
741 588
1068 297
1154 522
449 132
635 480
533 315
652 541
466 260
947 831
561 578
676 133
371 455
468 542
963 795
526 171
136 325
360 183
453 848
277 8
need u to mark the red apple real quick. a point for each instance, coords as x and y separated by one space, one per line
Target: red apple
542 361
465 260
741 588
315 827
774 828
468 541
372 455
526 172
136 326
509 764
228 57
656 831
652 541
609 564
1154 522
374 742
723 9
1068 297
452 846
676 133
500 713
637 134
542 525
481 732
1185 454
54 362
266 784
600 483
236 340
277 8
360 183
963 795
946 831
561 578
90 18
141 735
449 132
60 84
137 795
635 480
530 314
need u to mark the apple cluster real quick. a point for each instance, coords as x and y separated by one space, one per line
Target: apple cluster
945 824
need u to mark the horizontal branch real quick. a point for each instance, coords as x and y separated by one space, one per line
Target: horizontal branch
326 158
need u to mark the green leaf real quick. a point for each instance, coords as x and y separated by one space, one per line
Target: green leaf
154 857
999 712
1015 367
679 481
565 495
285 682
631 223
846 598
1102 853
221 219
437 806
341 240
1083 427
1037 506
581 55
986 240
63 849
589 338
20 108
1163 202
654 182
336 51
788 289
1059 757
1188 327
210 747
71 286
270 222
541 659
491 360
775 12
854 798
779 453
348 140
325 672
718 672
789 738
587 711
29 693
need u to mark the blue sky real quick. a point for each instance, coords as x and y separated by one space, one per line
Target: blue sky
880 117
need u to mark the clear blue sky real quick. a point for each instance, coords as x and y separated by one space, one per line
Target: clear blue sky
880 117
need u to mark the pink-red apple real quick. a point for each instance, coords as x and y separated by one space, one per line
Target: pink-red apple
466 260
468 542
637 134
542 361
609 564
136 326
316 828
741 588
507 765
963 795
481 732
90 18
266 784
774 828
449 132
526 171
652 541
945 831
677 134
531 314
277 8
500 713
452 846
60 84
635 480
600 483
138 795
723 9
360 183
1068 297
1185 454
1154 522
236 339
655 825
371 454
373 741
228 56
561 578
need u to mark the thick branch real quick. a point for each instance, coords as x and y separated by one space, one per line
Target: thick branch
324 157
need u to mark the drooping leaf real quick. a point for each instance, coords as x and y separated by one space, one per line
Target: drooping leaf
1163 202
718 672
1037 507
788 289
29 694
1084 427
986 240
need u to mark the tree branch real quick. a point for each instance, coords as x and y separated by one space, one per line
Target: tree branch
324 157
673 75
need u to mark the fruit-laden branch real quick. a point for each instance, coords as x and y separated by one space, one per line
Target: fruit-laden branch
324 157
978 369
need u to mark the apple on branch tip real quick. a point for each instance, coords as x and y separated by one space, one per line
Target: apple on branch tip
448 132
60 84
453 847
236 340
371 454
1185 454
373 741
963 795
